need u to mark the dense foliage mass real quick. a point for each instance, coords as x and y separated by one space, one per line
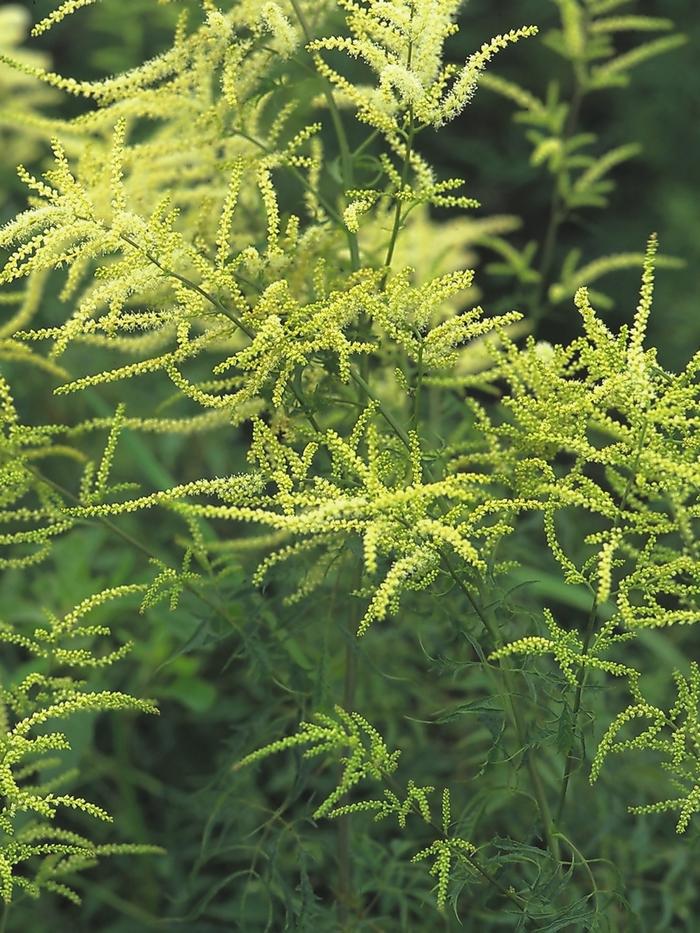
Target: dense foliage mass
295 452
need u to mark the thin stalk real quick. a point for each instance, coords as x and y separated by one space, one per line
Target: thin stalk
558 211
419 385
383 411
471 859
188 283
489 623
129 539
584 862
363 145
346 887
249 332
344 829
405 169
345 874
341 136
398 210
590 628
330 210
570 756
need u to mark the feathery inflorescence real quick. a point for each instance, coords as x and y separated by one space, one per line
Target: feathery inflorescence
211 233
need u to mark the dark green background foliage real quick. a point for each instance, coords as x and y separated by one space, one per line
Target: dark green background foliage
239 853
655 191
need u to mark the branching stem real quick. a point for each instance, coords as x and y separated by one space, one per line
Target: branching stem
558 211
341 136
129 539
398 210
485 614
570 755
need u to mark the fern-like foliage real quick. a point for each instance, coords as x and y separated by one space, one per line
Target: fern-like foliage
369 757
214 226
600 427
37 852
31 509
569 651
673 735
408 526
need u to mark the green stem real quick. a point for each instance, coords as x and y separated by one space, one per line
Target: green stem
341 136
125 536
558 209
491 626
188 283
590 628
366 142
384 412
584 862
570 756
405 169
419 384
249 332
346 899
356 377
398 210
350 678
328 208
